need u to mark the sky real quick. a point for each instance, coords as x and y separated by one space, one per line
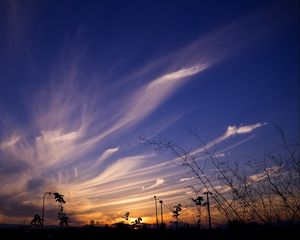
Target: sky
81 81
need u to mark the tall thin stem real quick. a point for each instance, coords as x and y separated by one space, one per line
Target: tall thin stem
161 211
208 208
43 210
156 211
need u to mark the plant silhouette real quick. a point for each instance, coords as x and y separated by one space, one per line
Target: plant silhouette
254 190
176 213
59 198
36 221
137 224
198 201
126 216
92 222
64 220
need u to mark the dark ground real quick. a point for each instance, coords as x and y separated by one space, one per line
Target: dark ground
253 232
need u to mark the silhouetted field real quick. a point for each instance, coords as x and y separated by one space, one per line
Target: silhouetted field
255 232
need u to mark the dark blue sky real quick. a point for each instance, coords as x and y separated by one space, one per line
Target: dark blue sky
80 81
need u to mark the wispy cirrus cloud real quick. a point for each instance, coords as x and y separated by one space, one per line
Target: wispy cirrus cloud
242 129
274 170
154 93
69 146
230 132
11 141
106 154
236 130
186 179
158 182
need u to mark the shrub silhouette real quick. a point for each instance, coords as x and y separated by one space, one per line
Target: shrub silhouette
36 221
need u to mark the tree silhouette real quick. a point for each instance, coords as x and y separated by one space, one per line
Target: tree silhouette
36 221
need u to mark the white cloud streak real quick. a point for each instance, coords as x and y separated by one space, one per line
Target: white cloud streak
242 129
231 131
263 175
108 153
158 182
148 97
186 179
